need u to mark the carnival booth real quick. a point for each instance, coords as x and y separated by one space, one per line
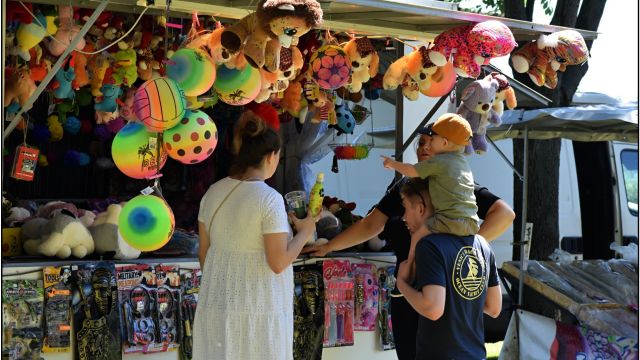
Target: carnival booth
118 115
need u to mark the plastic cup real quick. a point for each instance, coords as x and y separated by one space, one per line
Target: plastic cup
297 202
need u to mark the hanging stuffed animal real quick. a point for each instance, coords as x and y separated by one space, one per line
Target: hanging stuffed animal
364 62
67 31
275 24
125 66
97 66
31 34
291 62
18 86
415 65
38 65
504 93
472 46
345 120
541 59
476 108
293 101
79 63
62 85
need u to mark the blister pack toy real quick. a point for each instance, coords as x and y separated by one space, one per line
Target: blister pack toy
338 306
167 309
386 282
96 314
22 308
190 288
366 297
308 312
136 293
57 309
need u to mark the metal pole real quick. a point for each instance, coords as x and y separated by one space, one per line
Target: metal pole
54 69
423 122
523 226
504 157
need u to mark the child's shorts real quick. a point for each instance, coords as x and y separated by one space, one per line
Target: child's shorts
439 223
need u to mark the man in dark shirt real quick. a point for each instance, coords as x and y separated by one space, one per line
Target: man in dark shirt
455 281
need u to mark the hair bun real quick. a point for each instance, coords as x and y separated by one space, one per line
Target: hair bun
252 128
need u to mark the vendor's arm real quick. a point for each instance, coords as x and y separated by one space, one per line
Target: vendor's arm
404 169
493 301
429 302
498 219
204 243
363 230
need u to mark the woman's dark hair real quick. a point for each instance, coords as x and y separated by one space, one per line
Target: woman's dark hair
417 188
252 140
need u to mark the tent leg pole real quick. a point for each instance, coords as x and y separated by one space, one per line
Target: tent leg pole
61 60
424 121
504 157
523 243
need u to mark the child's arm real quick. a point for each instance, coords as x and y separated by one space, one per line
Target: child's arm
404 169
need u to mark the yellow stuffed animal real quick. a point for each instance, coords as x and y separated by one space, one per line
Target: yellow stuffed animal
364 62
416 65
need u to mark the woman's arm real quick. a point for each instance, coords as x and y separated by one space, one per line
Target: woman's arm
204 243
281 252
363 230
498 219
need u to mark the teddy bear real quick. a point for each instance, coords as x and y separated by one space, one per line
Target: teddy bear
275 24
62 88
293 102
415 65
505 93
62 235
320 104
364 62
79 63
18 86
476 108
542 59
472 46
291 62
67 31
106 236
148 67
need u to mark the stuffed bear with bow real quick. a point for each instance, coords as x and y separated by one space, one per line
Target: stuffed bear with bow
412 72
542 59
476 108
472 46
275 24
364 62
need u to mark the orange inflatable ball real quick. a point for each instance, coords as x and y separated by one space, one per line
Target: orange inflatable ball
442 82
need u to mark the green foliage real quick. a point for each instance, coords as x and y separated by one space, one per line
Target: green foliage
496 7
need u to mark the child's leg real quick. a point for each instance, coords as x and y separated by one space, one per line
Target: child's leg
439 223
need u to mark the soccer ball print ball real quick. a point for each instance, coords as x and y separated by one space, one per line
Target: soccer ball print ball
331 67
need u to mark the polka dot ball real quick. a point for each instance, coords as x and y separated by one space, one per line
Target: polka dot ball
194 138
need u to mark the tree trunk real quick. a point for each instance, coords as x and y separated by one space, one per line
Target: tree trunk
544 155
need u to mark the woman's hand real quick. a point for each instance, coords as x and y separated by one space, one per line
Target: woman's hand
316 250
308 224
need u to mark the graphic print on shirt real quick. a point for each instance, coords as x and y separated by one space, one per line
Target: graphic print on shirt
469 276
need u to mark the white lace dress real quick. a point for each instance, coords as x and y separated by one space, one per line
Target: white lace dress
245 310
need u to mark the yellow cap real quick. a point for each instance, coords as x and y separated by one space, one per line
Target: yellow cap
453 127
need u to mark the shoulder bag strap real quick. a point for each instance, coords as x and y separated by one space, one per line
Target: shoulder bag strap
219 206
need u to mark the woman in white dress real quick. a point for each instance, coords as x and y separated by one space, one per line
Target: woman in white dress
245 309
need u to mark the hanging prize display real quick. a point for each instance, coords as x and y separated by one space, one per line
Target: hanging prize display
193 139
160 104
193 70
146 222
330 67
237 87
442 82
134 151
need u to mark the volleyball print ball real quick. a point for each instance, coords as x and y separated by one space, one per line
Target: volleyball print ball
237 87
134 153
146 222
193 70
193 139
160 104
331 67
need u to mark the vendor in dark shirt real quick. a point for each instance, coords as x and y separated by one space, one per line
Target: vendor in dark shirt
387 217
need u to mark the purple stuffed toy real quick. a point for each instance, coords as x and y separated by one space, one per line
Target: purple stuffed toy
476 107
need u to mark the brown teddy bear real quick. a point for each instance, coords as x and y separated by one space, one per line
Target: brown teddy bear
416 65
275 24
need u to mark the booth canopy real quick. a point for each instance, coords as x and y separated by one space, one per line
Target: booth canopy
602 122
407 19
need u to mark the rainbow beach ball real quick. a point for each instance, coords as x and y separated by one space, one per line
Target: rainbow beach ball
133 152
193 139
237 87
146 222
159 103
193 70
331 67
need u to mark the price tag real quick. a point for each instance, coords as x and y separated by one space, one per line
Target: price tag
147 191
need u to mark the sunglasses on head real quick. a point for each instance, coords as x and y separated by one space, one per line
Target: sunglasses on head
416 191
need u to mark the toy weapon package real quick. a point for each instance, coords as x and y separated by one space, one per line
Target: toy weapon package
190 288
136 292
308 312
22 307
168 309
366 297
96 314
57 310
338 306
387 282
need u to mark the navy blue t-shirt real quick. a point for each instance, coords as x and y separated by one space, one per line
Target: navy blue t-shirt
466 267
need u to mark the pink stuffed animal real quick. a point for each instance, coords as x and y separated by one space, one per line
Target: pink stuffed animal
472 46
66 32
